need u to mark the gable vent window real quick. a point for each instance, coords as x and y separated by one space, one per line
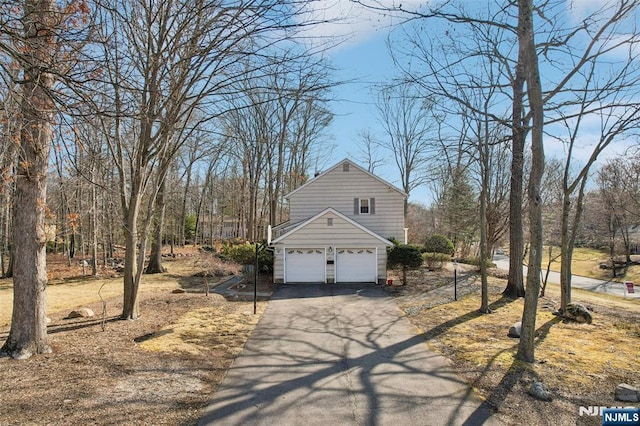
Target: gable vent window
345 167
329 221
364 206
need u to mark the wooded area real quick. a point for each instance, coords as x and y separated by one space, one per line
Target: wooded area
127 125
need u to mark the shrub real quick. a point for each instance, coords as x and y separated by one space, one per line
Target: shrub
439 244
435 260
394 240
245 254
406 256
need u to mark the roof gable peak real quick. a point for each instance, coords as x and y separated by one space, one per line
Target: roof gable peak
341 164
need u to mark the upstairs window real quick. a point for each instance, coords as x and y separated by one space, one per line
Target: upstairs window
364 206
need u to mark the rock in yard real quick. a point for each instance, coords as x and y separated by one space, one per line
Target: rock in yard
514 330
627 393
81 313
578 313
539 390
178 291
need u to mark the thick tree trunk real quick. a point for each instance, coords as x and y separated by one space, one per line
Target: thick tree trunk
28 333
515 283
526 347
130 309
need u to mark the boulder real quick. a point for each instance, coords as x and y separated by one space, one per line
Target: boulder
514 330
539 390
178 291
627 393
81 313
577 312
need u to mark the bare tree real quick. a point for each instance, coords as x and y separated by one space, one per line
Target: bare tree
527 47
410 125
9 141
618 181
551 190
37 47
166 61
368 153
275 123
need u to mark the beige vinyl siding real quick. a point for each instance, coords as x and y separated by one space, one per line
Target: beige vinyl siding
337 188
319 234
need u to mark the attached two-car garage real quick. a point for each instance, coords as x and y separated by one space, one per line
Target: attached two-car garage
330 248
314 265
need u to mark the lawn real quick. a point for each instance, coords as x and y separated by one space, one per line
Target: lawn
160 369
586 262
581 363
165 366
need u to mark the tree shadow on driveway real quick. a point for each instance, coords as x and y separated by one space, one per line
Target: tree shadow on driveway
345 357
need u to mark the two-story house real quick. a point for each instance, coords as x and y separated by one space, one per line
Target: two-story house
339 228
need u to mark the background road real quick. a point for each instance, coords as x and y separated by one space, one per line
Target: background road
609 287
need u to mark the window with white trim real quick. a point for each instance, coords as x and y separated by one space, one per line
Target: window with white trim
364 206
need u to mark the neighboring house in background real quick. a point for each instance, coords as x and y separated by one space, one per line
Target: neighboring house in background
339 228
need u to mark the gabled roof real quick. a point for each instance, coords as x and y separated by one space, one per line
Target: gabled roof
340 215
339 164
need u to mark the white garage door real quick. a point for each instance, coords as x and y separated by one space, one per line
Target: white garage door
304 265
356 265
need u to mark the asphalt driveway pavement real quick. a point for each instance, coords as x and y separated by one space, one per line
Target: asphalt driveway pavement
337 354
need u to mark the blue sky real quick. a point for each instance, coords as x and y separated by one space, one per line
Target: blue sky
363 59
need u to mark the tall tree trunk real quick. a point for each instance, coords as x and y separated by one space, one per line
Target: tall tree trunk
183 210
565 266
94 221
10 129
28 333
130 308
484 168
201 200
155 258
5 237
526 345
515 283
569 234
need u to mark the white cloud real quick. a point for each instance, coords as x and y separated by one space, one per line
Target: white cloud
580 9
351 22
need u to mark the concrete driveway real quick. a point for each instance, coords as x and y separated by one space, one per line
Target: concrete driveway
341 355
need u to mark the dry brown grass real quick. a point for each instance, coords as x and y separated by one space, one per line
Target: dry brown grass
581 363
586 263
161 369
212 328
74 291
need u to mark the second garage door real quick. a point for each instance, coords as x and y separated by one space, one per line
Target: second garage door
305 265
356 265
